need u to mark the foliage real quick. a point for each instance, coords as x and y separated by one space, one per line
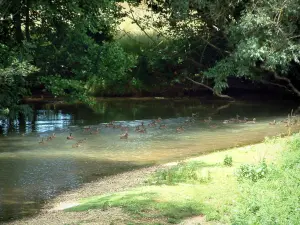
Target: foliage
67 48
273 200
215 40
252 172
227 160
14 69
183 172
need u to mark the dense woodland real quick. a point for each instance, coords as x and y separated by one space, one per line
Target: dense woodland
70 49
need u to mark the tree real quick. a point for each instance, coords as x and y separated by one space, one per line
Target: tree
258 40
66 46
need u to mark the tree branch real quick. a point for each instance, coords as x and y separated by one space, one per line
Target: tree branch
275 84
131 16
210 88
221 108
277 77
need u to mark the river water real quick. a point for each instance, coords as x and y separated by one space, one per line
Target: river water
33 172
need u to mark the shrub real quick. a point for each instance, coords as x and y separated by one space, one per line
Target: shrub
274 200
228 160
252 172
183 172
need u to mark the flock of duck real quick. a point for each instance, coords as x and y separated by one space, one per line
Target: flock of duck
142 128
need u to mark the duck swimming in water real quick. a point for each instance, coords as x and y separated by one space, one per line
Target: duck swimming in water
251 121
179 129
87 128
208 120
124 136
70 137
95 131
162 126
42 141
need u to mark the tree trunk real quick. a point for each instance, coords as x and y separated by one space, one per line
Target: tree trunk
17 21
27 22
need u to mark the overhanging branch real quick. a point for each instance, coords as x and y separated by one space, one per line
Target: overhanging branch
209 88
275 84
294 89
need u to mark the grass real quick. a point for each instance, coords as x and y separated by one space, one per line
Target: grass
178 192
275 198
184 172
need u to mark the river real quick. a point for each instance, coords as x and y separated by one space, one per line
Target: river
32 172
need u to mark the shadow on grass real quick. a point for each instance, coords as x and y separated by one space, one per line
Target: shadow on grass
144 205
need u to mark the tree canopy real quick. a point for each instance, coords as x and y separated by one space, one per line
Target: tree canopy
64 46
258 40
70 49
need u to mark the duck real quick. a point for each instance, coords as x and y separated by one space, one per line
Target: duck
152 124
124 136
49 138
76 145
213 126
179 129
158 120
162 126
273 122
189 120
116 126
251 121
208 120
226 121
81 141
194 114
95 131
42 141
142 130
124 128
245 119
70 137
87 128
110 124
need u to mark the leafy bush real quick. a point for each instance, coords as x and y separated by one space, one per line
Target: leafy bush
183 172
252 172
228 160
274 200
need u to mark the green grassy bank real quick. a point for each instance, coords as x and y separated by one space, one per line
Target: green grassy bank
257 184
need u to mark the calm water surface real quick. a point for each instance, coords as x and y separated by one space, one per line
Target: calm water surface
31 173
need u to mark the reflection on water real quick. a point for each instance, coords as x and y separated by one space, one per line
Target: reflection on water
32 172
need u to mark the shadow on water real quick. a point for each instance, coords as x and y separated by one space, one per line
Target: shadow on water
33 172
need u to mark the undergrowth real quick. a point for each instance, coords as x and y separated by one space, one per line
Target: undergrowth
273 200
227 160
184 172
252 172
